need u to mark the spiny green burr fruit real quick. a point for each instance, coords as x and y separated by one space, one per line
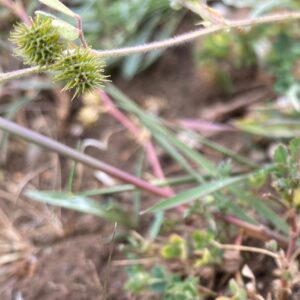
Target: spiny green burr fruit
81 70
39 44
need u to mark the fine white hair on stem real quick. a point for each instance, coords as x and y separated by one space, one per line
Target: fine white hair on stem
190 36
4 77
174 41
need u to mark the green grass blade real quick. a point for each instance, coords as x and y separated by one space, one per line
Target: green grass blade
192 194
224 150
137 200
109 190
156 225
161 133
268 214
81 204
59 6
129 187
157 129
239 212
205 164
172 151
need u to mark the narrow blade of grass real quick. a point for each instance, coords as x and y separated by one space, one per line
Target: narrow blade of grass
109 190
81 204
223 150
161 133
129 187
137 193
156 225
192 194
239 212
172 151
268 214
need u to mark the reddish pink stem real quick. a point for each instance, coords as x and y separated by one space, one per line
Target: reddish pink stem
152 157
147 144
294 234
257 231
157 169
80 29
17 8
52 145
136 132
117 114
204 126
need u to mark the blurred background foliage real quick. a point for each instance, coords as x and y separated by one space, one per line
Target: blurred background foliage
114 24
275 49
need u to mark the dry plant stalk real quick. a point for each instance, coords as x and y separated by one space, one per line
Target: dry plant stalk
14 249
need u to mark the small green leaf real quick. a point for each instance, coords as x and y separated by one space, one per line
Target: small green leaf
207 258
57 5
179 290
44 14
192 194
66 30
272 245
138 281
161 278
238 292
176 248
81 204
281 154
202 239
258 179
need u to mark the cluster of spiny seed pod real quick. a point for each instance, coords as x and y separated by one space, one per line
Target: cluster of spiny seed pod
40 44
81 70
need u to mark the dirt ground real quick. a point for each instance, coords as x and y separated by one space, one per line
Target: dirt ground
61 255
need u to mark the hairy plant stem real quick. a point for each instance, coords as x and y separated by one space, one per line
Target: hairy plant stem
246 248
175 41
190 36
87 160
5 77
